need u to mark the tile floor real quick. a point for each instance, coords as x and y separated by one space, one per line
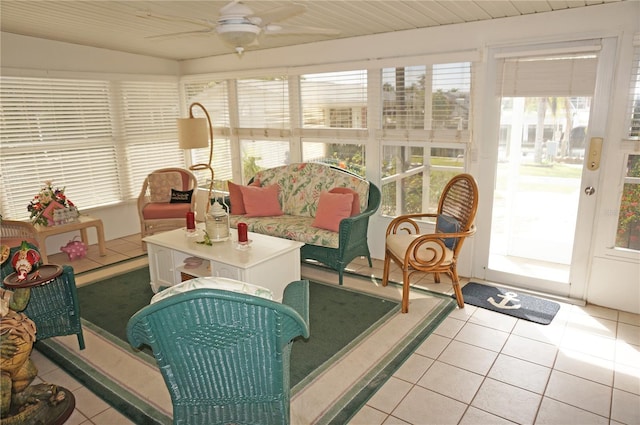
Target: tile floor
478 367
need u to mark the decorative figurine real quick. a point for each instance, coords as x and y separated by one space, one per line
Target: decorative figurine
25 261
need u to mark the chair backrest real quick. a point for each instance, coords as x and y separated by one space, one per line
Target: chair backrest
189 180
12 229
223 355
459 199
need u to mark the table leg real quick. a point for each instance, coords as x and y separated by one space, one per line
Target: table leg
83 236
100 231
42 248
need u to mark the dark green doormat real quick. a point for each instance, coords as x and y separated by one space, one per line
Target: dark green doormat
510 302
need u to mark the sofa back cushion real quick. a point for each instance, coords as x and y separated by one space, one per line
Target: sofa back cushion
301 185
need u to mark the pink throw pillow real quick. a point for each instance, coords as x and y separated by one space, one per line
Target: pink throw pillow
332 208
261 201
355 207
235 197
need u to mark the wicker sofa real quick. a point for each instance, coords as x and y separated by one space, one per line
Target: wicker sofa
300 188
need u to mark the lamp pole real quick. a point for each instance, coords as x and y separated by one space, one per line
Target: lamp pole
207 166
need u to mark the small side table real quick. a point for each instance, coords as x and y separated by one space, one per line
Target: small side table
83 222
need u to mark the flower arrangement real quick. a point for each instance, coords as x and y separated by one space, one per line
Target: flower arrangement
48 200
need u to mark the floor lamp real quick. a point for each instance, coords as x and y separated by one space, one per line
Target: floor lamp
194 133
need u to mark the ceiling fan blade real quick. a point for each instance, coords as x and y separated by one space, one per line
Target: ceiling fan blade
279 14
274 29
206 32
171 18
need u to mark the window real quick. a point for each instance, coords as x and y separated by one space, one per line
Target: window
148 116
628 235
348 156
414 177
263 103
262 154
92 137
334 99
335 107
628 229
214 96
59 131
633 132
425 133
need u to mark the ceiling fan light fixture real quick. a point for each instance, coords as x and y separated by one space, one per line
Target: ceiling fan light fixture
238 35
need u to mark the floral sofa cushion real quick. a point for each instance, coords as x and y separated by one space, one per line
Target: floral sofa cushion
289 227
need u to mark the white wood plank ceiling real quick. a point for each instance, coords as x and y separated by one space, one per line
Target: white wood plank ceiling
116 25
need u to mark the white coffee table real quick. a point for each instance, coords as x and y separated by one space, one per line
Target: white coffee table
268 261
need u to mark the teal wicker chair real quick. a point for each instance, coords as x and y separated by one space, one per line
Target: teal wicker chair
53 307
224 355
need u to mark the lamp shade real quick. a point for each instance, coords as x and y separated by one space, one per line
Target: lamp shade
193 133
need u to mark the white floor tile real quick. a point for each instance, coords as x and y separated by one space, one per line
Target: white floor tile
507 401
549 334
585 366
627 378
533 351
413 368
451 381
475 416
625 407
520 373
368 416
579 392
494 320
468 357
433 346
629 333
553 412
389 396
422 406
627 354
590 343
481 336
449 327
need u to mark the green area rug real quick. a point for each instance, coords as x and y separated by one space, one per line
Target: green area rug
110 303
341 321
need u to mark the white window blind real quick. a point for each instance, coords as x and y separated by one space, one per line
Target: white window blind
214 96
264 103
56 130
634 96
334 99
435 97
148 120
551 75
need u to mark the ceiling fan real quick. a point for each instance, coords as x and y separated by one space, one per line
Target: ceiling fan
239 27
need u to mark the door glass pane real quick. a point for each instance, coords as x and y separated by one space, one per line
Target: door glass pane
541 151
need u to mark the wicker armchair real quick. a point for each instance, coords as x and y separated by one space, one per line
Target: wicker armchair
435 252
52 307
157 213
224 356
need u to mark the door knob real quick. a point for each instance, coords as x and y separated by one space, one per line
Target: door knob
589 190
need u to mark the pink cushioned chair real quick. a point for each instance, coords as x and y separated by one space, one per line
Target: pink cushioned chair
157 212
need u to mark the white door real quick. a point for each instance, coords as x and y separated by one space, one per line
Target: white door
538 202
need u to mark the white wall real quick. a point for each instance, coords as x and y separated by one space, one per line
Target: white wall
610 20
29 53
